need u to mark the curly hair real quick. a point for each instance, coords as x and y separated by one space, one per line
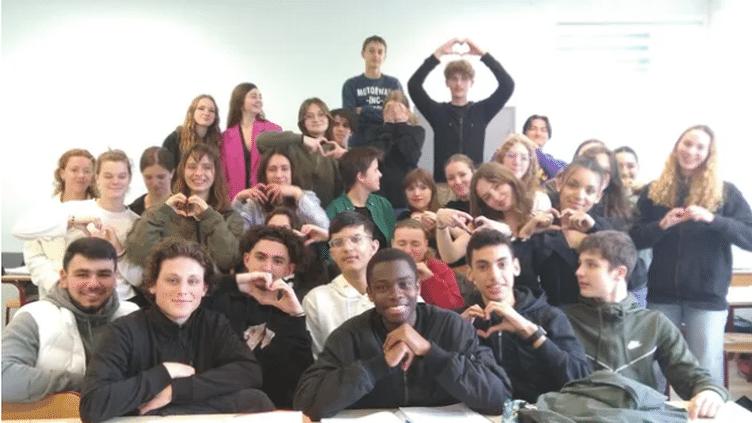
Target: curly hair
237 99
498 174
421 176
174 247
218 195
91 191
705 187
188 135
530 179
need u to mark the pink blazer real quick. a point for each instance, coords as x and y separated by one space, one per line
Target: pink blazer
233 159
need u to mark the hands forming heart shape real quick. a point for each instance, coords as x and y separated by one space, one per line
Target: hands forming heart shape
511 320
461 47
188 207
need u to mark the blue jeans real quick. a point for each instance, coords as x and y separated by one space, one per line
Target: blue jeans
704 334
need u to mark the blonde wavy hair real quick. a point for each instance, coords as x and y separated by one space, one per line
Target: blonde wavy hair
530 179
188 135
705 187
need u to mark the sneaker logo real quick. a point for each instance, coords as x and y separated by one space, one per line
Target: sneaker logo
633 344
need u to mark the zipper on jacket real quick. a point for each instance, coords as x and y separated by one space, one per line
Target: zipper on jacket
462 135
676 267
404 384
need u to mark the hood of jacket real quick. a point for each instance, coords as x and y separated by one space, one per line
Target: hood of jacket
87 322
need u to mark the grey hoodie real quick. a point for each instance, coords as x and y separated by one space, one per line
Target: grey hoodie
22 380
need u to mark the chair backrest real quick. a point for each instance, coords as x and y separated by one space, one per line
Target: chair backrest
13 296
55 406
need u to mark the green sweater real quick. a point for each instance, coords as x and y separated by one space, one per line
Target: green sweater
380 208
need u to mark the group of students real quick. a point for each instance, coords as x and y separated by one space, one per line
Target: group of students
260 260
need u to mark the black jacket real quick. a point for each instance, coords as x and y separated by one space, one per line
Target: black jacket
351 371
459 129
126 370
288 354
692 260
402 145
560 359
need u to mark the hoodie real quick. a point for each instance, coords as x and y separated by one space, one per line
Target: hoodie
43 352
533 372
626 338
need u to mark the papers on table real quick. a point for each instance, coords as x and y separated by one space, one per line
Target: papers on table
446 414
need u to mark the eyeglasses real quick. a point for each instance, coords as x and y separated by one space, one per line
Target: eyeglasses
355 240
513 156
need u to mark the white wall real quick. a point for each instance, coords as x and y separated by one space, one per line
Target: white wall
120 74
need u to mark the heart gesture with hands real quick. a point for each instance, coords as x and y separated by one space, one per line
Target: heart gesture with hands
402 345
459 46
450 218
511 320
82 223
276 193
256 193
540 222
314 144
482 222
427 219
577 220
107 232
336 151
682 214
189 207
268 291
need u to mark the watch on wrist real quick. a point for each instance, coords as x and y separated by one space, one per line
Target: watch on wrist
538 334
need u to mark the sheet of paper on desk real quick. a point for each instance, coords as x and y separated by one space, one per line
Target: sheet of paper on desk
273 416
446 414
377 417
22 270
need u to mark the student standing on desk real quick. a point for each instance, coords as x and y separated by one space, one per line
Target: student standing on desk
459 126
173 358
401 353
690 217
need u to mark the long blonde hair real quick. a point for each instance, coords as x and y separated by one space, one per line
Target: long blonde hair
705 187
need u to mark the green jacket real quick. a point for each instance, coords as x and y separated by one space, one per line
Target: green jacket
380 208
626 338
